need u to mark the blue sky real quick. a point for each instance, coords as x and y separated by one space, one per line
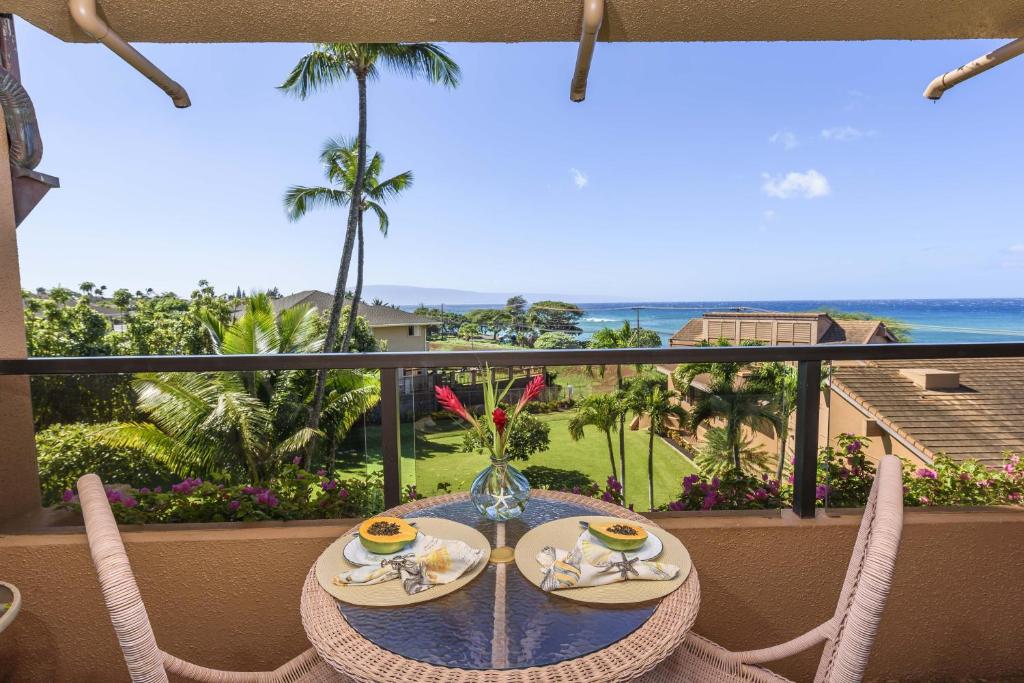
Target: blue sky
692 171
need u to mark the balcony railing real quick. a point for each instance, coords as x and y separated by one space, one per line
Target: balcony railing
807 358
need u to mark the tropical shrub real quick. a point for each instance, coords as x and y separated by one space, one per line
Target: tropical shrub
294 494
557 340
469 331
66 452
733 491
715 454
529 437
844 479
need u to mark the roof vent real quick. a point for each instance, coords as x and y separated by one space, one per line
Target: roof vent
930 379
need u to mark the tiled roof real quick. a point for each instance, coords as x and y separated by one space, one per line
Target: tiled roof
980 419
851 331
376 316
691 331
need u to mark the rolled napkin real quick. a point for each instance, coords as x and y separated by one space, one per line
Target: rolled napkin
592 564
439 562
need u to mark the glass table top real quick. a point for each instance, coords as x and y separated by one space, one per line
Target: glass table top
468 630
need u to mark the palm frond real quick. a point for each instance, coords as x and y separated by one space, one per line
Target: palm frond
299 200
416 60
324 66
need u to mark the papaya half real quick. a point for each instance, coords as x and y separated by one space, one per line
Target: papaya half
386 535
620 535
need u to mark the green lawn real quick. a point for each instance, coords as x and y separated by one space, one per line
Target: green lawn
436 457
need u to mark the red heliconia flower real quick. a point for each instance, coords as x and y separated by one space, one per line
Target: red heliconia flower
450 402
500 419
531 392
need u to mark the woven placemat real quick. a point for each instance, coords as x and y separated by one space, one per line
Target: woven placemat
562 533
390 593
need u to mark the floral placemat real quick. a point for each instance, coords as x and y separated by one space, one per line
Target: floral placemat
391 593
562 533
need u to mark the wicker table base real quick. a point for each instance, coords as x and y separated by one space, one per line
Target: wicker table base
343 648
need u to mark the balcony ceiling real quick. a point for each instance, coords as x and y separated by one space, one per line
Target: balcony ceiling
213 21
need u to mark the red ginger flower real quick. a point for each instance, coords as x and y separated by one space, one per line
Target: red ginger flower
500 419
531 392
450 402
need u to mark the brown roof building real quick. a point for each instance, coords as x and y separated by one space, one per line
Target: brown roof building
970 408
399 330
780 329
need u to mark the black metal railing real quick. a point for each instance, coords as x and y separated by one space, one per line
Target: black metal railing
808 359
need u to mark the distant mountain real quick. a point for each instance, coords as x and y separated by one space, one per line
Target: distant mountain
404 295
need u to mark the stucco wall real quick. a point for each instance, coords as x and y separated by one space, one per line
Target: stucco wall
399 339
229 597
19 475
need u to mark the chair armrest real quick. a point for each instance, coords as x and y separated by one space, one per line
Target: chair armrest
819 634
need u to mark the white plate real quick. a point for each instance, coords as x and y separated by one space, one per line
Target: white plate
649 550
356 554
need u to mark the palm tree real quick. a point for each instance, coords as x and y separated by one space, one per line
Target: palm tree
324 66
778 380
340 159
625 337
602 411
651 398
737 407
239 423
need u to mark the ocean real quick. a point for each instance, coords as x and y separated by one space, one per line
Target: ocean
929 320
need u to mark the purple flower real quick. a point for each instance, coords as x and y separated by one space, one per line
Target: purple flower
297 460
925 473
1009 467
342 493
300 475
709 500
760 495
676 506
329 485
924 500
820 491
576 490
607 497
985 483
68 496
158 489
321 472
144 490
1014 497
129 502
853 447
234 505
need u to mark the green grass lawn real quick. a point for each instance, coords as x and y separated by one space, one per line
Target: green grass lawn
431 458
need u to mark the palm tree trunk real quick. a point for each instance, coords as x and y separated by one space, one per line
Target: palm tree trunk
650 462
783 436
736 455
342 282
611 454
355 209
356 296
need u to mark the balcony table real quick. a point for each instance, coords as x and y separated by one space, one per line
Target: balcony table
499 628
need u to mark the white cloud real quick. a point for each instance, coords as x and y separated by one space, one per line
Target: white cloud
1017 248
786 138
845 133
579 178
768 214
807 185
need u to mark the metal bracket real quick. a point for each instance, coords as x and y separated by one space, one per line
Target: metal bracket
29 187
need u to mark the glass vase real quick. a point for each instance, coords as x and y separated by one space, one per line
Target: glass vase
500 492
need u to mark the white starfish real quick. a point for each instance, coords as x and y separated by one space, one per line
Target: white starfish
501 501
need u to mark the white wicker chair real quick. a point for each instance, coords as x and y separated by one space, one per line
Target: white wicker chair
147 663
848 635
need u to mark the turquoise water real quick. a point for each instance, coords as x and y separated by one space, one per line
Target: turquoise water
930 320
